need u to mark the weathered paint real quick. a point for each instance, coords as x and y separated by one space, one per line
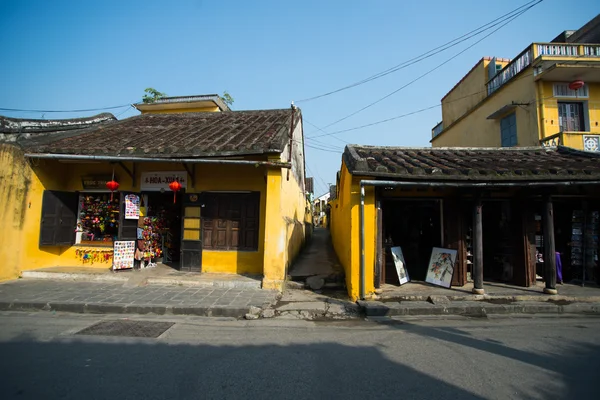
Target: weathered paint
466 107
15 187
345 231
475 130
469 92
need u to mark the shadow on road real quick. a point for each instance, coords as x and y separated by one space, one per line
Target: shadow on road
575 365
82 370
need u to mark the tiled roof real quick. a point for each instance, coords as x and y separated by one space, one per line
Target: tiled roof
13 129
179 135
472 164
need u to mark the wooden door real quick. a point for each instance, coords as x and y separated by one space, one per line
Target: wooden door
191 234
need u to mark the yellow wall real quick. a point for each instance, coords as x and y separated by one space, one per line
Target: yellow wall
286 214
345 232
15 185
23 195
549 123
475 130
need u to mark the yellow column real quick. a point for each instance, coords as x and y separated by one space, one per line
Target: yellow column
275 238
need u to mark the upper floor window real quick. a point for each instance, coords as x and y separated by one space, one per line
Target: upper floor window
508 130
570 117
563 90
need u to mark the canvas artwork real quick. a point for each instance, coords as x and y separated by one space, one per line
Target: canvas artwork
132 206
400 264
441 267
123 254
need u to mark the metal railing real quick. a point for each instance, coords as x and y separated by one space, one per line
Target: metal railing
437 129
513 68
526 57
552 141
552 49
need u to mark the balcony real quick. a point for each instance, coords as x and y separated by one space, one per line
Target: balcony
437 129
577 140
545 57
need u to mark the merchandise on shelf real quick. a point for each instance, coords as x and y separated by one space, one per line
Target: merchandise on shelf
98 218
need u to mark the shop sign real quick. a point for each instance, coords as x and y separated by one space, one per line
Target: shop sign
95 182
157 181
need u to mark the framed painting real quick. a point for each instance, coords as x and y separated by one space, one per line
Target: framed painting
441 267
400 264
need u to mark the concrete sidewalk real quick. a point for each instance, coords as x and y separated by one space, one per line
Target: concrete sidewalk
119 298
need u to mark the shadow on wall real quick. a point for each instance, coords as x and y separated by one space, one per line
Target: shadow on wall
78 369
295 232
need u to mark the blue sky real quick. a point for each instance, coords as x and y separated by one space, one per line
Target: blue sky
66 55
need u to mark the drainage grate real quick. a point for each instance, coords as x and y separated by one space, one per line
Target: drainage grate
145 329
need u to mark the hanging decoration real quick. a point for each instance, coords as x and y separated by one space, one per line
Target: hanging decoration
175 186
112 185
576 85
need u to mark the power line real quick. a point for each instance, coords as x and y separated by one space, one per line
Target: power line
432 52
433 69
410 113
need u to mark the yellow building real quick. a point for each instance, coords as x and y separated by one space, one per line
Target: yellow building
548 95
394 206
239 206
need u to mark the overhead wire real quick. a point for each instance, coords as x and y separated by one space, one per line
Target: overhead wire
432 52
407 114
431 70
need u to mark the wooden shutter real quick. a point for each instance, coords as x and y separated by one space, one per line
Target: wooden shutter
127 227
59 218
250 221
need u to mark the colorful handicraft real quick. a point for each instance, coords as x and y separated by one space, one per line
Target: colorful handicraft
90 255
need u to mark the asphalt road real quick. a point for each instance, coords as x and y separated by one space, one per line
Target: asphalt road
203 358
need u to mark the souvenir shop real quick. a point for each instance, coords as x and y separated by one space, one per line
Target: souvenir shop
512 238
110 220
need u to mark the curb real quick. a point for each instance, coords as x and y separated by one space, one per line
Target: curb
67 276
379 309
99 308
115 278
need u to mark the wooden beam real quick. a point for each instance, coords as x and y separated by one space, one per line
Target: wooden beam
191 172
549 247
478 246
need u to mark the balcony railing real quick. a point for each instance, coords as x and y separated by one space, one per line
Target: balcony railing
577 140
437 129
527 56
507 73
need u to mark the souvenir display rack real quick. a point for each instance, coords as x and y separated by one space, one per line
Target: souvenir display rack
584 245
98 218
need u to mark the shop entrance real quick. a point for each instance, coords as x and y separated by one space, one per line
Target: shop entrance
161 224
415 226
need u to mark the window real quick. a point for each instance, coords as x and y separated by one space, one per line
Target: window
570 117
230 221
98 218
508 130
59 218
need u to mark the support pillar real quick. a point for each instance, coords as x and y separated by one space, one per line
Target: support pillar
478 246
549 249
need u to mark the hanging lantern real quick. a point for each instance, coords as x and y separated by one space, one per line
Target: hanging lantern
576 85
175 186
112 186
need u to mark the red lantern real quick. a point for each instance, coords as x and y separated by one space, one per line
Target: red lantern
576 85
175 186
112 186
